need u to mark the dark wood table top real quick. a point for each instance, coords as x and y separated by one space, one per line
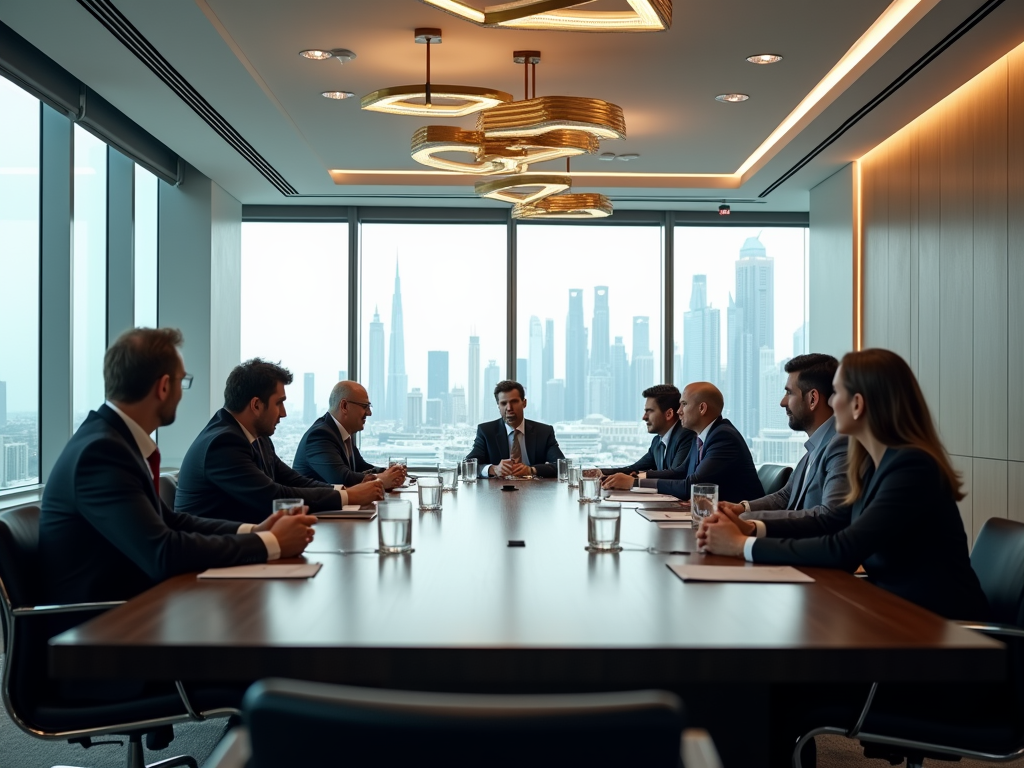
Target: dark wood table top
465 612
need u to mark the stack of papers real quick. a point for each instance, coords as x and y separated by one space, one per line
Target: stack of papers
636 499
661 515
757 574
348 512
264 571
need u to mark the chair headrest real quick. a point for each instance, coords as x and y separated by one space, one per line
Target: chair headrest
998 559
19 548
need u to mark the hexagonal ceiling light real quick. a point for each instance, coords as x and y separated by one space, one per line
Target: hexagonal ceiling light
645 16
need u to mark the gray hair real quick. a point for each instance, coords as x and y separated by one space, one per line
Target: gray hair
341 391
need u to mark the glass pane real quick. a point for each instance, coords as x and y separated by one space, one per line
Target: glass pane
89 274
19 305
287 320
431 353
741 313
590 334
146 188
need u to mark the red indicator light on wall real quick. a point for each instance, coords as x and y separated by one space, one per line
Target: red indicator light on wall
724 210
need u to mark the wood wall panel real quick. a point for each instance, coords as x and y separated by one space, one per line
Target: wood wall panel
915 245
898 245
1015 491
989 485
965 466
956 249
990 295
874 182
929 266
1015 252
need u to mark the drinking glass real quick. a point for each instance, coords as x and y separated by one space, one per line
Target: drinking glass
429 489
590 485
290 506
394 526
399 460
574 475
563 470
449 479
703 502
603 528
469 470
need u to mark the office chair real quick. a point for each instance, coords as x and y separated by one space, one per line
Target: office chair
34 702
773 477
990 724
168 488
291 722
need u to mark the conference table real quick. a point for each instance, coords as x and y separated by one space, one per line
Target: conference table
467 612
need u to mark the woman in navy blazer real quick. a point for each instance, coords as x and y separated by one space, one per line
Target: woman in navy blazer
900 519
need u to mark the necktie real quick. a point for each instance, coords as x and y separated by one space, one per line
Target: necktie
659 455
700 450
154 467
516 453
348 450
257 456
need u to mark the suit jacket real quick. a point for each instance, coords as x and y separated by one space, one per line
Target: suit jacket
905 529
219 477
104 534
726 462
676 454
321 455
491 445
823 486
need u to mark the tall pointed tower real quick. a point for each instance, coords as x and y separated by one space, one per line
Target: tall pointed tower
376 383
398 382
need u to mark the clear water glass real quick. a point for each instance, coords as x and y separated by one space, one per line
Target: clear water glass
563 470
469 470
449 479
703 502
590 486
394 526
603 528
574 476
290 506
399 460
429 490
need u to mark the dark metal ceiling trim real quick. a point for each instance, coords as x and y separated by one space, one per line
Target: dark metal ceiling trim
963 28
130 37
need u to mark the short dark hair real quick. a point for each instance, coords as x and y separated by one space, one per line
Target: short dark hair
666 395
253 378
816 372
137 360
507 386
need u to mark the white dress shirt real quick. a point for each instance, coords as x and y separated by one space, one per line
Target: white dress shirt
147 446
485 469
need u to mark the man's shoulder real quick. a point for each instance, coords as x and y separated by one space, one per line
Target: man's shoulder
322 428
538 425
727 431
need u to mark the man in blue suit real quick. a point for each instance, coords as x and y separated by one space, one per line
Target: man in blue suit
513 446
670 447
719 454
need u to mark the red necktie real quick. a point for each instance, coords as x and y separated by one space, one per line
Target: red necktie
154 466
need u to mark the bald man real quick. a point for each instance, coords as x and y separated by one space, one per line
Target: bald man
719 454
327 450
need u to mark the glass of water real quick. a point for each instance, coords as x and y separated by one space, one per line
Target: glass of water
603 528
429 489
449 479
394 526
574 475
590 485
399 460
290 506
703 502
469 470
563 470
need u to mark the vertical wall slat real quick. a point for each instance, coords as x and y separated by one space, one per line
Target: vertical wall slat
875 224
929 274
898 246
965 466
1015 490
1015 251
989 483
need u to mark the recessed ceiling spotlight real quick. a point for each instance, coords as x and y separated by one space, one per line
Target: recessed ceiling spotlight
342 55
609 156
765 58
629 156
316 54
337 95
732 98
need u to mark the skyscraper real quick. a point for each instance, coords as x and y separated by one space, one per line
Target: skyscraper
799 343
599 341
398 382
773 382
677 368
473 394
549 350
3 404
755 294
375 384
575 358
492 375
309 413
535 383
523 371
343 376
702 337
437 384
643 358
554 396
738 396
457 401
622 386
413 410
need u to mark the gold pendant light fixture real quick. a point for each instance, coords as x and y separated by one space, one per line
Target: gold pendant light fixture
430 99
586 205
646 15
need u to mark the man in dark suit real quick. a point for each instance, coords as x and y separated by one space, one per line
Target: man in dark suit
719 454
104 534
327 452
513 446
818 484
670 447
232 469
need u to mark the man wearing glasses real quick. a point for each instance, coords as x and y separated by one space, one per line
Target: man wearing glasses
327 451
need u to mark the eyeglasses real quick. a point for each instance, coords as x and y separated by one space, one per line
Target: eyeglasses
365 406
186 381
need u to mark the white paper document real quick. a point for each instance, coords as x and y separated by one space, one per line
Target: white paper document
661 515
641 498
643 490
758 574
674 525
264 571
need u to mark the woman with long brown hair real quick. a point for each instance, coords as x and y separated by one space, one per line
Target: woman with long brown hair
900 520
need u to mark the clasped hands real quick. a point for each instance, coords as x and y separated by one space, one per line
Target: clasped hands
293 529
620 481
510 468
392 477
723 532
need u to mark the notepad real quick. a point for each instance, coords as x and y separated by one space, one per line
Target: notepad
758 574
642 498
675 525
264 571
656 515
348 512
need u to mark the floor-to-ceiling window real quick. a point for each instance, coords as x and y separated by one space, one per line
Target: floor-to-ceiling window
589 333
295 312
145 233
19 298
433 336
740 314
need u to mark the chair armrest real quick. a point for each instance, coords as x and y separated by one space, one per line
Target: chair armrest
39 610
698 750
233 751
1000 630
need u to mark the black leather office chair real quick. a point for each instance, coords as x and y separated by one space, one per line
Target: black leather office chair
34 702
168 488
987 723
291 722
773 477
